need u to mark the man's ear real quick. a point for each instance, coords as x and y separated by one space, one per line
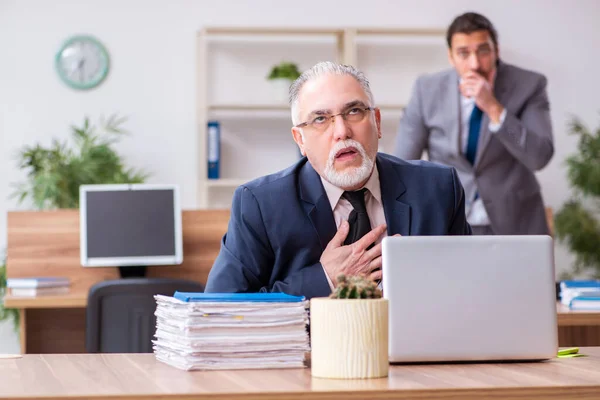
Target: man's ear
378 122
450 59
299 139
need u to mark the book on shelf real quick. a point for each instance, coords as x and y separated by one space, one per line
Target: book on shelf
571 289
39 291
214 149
38 282
590 302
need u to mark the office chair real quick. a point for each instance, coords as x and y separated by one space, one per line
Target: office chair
120 313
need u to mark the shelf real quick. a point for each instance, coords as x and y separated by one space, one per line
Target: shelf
250 111
271 31
256 117
273 35
400 32
282 107
226 183
392 107
321 31
74 299
278 111
249 107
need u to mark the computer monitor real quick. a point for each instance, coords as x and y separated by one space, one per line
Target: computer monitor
130 226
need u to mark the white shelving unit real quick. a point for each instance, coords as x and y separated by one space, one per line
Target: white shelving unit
232 65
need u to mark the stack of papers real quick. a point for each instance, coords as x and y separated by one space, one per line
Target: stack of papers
38 286
231 331
580 294
586 302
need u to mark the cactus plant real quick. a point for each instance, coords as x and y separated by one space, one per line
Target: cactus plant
355 287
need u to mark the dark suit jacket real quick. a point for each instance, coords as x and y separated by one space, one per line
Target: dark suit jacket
280 224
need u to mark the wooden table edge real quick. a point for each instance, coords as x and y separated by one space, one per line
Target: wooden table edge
586 392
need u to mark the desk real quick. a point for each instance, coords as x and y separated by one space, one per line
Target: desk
47 243
56 324
140 376
578 327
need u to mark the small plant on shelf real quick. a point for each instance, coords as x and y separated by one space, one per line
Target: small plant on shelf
341 347
284 70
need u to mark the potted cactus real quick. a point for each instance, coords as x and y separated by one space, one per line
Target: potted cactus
349 331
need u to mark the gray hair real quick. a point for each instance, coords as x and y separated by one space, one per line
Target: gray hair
323 68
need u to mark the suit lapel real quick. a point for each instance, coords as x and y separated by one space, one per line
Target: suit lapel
452 111
500 91
397 213
316 204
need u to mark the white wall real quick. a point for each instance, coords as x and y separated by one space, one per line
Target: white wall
152 48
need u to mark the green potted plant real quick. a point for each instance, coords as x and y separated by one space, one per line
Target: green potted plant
349 331
55 173
282 75
577 223
6 314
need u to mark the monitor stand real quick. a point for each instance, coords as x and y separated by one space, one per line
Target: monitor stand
133 271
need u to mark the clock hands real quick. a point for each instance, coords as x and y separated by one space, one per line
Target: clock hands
80 65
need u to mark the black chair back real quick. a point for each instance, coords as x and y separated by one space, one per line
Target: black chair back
120 313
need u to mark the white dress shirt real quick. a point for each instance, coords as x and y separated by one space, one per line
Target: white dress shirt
342 207
474 209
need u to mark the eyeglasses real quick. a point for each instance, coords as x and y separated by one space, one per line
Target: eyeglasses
353 115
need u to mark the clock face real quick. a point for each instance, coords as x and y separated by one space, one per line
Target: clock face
82 62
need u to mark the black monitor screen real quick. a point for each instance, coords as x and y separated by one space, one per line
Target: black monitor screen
130 223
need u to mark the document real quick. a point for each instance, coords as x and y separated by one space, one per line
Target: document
231 331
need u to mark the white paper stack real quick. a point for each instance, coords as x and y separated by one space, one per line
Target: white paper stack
241 332
575 289
38 286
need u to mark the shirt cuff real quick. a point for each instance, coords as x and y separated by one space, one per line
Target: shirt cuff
328 279
496 127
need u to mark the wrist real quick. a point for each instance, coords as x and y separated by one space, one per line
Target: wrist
494 111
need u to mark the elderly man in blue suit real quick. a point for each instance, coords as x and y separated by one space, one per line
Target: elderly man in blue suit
296 230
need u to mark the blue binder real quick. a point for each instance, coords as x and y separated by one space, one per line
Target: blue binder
238 297
214 149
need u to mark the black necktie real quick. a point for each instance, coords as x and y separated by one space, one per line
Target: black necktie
358 219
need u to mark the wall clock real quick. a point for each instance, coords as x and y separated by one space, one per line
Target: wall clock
82 62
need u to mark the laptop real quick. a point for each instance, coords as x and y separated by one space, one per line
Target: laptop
470 298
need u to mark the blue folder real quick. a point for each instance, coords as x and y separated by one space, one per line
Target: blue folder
577 284
238 297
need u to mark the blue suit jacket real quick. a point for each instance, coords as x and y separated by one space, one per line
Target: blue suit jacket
281 223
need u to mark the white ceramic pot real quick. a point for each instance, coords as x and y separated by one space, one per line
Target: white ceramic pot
280 90
349 338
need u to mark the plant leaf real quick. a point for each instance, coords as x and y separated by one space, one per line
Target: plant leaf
55 173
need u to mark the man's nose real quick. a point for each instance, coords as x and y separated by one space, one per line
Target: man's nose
341 130
473 62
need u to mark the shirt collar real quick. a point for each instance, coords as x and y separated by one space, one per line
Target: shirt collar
334 193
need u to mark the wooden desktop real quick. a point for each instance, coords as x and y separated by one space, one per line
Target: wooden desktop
141 376
47 243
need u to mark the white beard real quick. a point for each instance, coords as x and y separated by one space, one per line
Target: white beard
348 179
